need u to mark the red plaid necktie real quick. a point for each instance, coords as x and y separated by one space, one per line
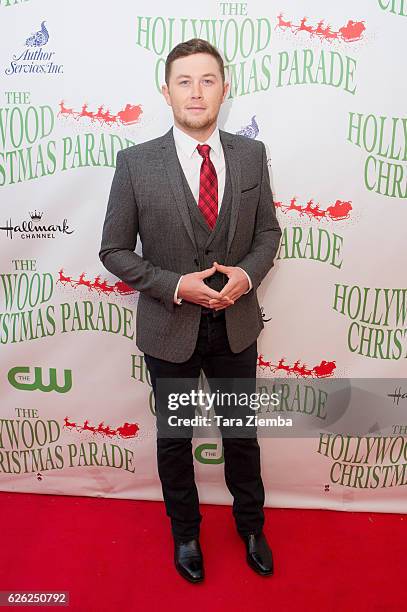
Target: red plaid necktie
208 187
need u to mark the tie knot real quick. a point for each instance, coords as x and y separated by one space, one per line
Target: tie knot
203 150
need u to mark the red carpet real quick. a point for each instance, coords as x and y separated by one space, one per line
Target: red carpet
116 555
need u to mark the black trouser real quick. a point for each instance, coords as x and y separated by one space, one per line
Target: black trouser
241 455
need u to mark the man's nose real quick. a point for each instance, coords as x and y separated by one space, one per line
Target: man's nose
196 90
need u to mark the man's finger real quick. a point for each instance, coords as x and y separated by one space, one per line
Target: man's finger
222 298
227 288
207 272
221 307
221 267
212 294
217 304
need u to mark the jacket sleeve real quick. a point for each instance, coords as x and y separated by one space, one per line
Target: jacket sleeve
119 239
267 232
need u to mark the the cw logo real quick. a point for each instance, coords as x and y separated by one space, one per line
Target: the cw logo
206 453
24 384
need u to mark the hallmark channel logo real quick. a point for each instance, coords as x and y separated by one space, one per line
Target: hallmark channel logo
398 395
34 59
34 230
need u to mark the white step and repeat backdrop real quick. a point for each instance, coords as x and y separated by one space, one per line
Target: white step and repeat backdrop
323 86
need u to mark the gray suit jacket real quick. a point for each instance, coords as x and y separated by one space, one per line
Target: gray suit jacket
147 198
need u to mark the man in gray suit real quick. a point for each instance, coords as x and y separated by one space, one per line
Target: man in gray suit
201 201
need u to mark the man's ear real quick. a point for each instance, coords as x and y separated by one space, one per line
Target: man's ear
166 94
225 90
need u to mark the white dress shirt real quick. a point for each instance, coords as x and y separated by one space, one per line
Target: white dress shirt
191 162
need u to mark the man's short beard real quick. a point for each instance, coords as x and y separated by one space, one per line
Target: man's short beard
196 124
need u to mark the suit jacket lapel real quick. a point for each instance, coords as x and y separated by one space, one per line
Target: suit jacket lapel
170 157
233 160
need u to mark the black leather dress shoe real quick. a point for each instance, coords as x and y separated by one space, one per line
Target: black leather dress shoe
259 555
188 560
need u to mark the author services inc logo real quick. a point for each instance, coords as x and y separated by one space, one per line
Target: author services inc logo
35 58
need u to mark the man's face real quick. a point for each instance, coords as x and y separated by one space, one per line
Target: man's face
195 91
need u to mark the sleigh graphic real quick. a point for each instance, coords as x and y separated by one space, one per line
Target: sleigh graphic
129 115
324 369
351 32
338 211
127 430
119 287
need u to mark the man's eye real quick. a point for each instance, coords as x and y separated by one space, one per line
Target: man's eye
183 82
208 81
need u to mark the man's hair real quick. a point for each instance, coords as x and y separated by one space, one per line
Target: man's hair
190 47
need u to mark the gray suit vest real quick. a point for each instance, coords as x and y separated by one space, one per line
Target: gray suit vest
211 244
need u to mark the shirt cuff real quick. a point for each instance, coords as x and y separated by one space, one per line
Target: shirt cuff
248 278
177 300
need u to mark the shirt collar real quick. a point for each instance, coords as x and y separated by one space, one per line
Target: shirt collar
188 144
